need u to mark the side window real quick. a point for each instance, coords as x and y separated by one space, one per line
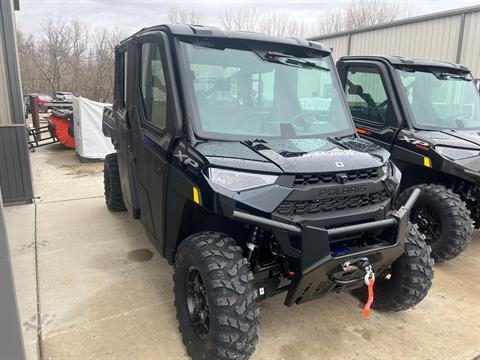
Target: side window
153 86
121 79
367 97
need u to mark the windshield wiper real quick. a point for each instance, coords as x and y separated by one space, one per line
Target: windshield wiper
448 76
291 60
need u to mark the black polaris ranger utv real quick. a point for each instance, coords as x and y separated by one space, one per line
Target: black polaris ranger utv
238 154
427 114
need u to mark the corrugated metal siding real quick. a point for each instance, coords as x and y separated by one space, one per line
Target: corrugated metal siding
434 39
339 45
14 164
15 176
470 55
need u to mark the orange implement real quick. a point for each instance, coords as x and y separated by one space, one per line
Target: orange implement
63 131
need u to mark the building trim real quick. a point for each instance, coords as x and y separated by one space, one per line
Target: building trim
349 44
7 33
460 38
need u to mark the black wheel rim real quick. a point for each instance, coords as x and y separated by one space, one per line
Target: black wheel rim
197 303
428 222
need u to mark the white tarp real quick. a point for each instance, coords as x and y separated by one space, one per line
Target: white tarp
90 143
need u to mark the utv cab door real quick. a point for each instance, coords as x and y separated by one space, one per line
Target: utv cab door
151 114
371 100
124 131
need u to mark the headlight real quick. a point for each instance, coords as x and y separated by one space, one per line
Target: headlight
394 177
456 154
238 180
387 168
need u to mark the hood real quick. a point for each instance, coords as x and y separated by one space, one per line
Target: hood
295 155
454 138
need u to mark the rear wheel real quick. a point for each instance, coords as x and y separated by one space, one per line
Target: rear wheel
111 182
215 298
409 278
443 218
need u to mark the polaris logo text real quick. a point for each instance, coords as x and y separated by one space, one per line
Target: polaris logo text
343 190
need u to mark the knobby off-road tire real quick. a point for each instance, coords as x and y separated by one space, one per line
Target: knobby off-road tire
111 182
410 276
226 284
437 204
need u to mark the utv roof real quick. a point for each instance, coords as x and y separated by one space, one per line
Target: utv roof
213 32
400 60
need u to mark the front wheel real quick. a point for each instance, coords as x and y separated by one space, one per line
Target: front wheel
443 218
215 298
408 279
112 185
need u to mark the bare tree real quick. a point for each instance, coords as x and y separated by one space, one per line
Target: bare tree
331 22
372 12
361 13
280 24
240 19
65 54
31 78
79 33
99 68
54 41
183 16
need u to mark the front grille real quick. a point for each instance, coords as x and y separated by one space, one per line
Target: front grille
291 208
329 178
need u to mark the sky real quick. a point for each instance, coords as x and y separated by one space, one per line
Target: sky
129 16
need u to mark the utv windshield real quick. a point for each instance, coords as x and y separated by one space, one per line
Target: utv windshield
244 93
440 101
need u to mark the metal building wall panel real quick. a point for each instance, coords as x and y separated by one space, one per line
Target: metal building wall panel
15 174
435 39
470 54
339 46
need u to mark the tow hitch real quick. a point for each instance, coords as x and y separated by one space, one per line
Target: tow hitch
369 278
369 281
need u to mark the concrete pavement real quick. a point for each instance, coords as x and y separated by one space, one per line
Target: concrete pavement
104 292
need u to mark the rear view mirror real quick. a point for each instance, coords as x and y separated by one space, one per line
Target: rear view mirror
355 90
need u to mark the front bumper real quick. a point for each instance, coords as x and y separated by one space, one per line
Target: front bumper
321 271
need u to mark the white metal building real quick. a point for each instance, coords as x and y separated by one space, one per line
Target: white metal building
449 36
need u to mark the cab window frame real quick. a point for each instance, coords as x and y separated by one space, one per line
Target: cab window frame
395 118
146 123
121 81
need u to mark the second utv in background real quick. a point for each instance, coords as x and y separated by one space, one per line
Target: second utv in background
427 114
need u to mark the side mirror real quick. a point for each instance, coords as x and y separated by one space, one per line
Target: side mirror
355 90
